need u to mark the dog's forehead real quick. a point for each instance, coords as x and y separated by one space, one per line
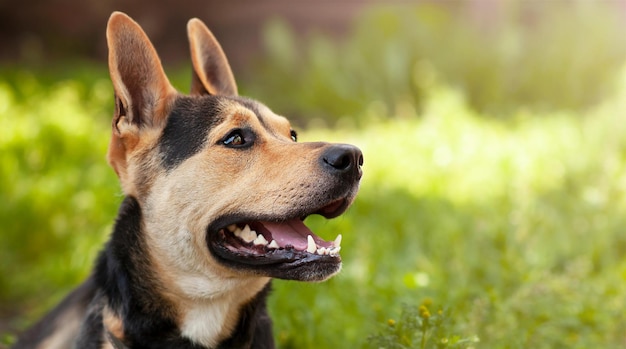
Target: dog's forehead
192 119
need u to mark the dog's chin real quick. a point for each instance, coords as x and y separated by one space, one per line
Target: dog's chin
283 248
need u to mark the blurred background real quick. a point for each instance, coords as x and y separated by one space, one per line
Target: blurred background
493 206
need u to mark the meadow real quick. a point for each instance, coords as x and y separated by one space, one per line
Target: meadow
477 226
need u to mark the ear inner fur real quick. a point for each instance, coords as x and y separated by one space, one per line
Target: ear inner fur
211 71
138 77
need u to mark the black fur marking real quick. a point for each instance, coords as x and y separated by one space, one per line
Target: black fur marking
125 277
91 332
187 128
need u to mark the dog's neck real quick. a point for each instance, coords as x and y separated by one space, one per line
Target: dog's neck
211 321
133 290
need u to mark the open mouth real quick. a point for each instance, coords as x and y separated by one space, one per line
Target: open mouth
269 237
283 248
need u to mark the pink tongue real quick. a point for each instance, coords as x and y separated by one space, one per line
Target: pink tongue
292 232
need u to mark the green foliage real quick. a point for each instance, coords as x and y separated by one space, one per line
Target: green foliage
418 327
57 192
516 227
540 56
513 228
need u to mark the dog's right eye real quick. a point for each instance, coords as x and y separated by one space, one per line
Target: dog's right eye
234 139
238 139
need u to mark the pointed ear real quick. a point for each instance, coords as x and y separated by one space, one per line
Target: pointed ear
141 87
211 71
142 91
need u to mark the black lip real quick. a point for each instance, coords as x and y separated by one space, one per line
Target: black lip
334 209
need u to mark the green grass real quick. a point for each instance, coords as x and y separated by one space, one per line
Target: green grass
514 230
57 194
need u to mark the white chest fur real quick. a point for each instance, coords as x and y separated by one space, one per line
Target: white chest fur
208 322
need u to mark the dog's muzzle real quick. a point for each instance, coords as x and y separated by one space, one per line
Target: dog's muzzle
278 243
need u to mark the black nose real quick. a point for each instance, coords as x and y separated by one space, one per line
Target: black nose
344 159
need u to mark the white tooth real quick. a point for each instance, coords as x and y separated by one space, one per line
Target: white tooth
232 228
334 251
322 251
260 240
237 232
311 247
337 242
253 234
273 244
246 229
248 235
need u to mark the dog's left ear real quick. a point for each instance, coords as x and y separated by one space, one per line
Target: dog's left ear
142 91
211 72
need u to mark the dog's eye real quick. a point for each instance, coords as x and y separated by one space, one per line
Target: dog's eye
294 136
234 139
239 138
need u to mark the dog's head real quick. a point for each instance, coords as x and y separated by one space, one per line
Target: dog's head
223 184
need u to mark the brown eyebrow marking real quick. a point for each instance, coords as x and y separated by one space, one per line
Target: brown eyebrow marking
251 105
254 107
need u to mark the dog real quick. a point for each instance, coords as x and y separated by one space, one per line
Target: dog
216 190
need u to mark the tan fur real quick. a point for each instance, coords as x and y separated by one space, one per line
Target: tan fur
112 323
107 345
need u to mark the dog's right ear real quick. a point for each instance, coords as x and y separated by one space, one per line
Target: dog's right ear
142 91
211 72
